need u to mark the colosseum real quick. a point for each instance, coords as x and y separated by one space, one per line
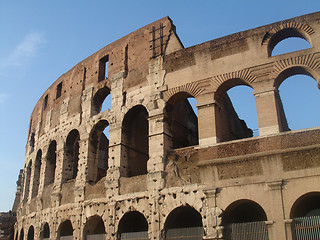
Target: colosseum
145 166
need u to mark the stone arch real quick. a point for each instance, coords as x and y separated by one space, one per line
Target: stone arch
133 224
71 159
99 97
65 229
99 151
94 226
45 231
181 120
306 205
51 162
191 89
245 218
36 173
30 233
243 210
183 221
228 124
135 141
286 30
27 181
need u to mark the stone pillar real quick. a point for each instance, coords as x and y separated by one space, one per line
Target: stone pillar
270 112
277 229
56 196
207 120
43 170
288 226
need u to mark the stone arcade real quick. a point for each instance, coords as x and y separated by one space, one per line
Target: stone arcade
164 172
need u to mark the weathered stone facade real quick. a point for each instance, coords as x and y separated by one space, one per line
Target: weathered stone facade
162 167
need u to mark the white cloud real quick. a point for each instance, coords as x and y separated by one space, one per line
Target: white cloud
27 49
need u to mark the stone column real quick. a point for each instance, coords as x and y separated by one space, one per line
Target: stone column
56 196
207 120
270 112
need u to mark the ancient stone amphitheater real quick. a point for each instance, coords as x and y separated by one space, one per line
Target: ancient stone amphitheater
145 166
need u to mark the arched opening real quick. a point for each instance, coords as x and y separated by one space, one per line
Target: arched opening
65 231
21 235
16 237
101 101
298 98
27 183
71 156
244 218
50 163
45 233
289 40
94 228
305 213
30 233
99 151
36 174
135 142
298 115
184 222
182 120
229 125
133 225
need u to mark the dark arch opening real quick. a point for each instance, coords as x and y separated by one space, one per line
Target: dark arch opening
27 179
65 229
50 163
133 222
182 120
184 222
30 233
135 141
94 226
286 34
294 115
229 126
36 174
101 101
183 217
71 156
99 148
45 233
21 236
306 206
243 211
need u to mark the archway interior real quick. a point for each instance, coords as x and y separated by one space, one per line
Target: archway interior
36 175
229 126
45 231
300 97
135 141
50 163
94 226
66 229
72 156
243 211
133 221
183 217
100 149
182 120
30 233
21 237
244 105
101 101
306 206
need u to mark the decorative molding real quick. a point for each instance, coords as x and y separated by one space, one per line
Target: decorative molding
194 89
300 26
244 75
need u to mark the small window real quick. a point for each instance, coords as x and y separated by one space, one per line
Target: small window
103 68
45 102
59 89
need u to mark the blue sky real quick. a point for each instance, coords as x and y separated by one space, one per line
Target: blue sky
41 40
